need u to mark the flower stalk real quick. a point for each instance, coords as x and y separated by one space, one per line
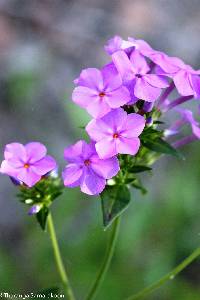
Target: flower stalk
107 260
171 275
59 262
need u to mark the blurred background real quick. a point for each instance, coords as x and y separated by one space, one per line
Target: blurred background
43 47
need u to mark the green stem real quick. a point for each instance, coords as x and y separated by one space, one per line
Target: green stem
59 261
146 291
106 263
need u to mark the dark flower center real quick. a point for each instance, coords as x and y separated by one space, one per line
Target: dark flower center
115 135
101 94
87 162
26 166
138 75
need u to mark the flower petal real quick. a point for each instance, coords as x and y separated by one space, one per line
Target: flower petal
111 77
16 154
182 83
98 108
156 80
72 175
118 98
6 168
35 151
83 96
143 90
91 78
92 184
106 148
195 82
128 146
98 130
28 176
106 168
74 153
123 65
44 165
134 126
139 62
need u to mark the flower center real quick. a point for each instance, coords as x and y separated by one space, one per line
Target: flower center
26 166
115 135
87 162
138 75
101 94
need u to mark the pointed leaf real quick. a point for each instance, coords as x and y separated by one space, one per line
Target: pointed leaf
139 169
114 200
42 217
161 146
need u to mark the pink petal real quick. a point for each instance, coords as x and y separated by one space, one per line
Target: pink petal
106 148
123 65
98 108
115 119
128 146
83 96
182 83
91 78
73 153
106 168
28 176
139 62
72 175
195 82
92 184
156 80
98 130
145 91
111 78
44 165
6 168
35 151
118 98
134 126
16 154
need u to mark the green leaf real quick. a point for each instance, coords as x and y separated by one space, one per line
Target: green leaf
139 169
114 200
42 217
137 185
161 146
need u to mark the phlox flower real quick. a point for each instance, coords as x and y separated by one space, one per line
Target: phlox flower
86 169
27 163
117 132
100 91
134 71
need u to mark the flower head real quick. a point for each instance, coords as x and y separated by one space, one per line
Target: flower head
27 163
117 132
86 169
100 91
134 72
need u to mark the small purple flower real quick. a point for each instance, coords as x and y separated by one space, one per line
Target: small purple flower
134 73
35 209
100 91
117 132
186 79
86 169
27 163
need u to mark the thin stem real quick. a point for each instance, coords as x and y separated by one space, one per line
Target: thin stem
146 291
59 261
165 94
106 263
177 102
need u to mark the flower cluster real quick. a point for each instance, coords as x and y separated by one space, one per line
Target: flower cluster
126 99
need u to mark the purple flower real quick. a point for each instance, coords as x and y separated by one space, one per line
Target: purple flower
35 209
86 169
185 78
27 163
117 132
100 91
134 72
186 118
